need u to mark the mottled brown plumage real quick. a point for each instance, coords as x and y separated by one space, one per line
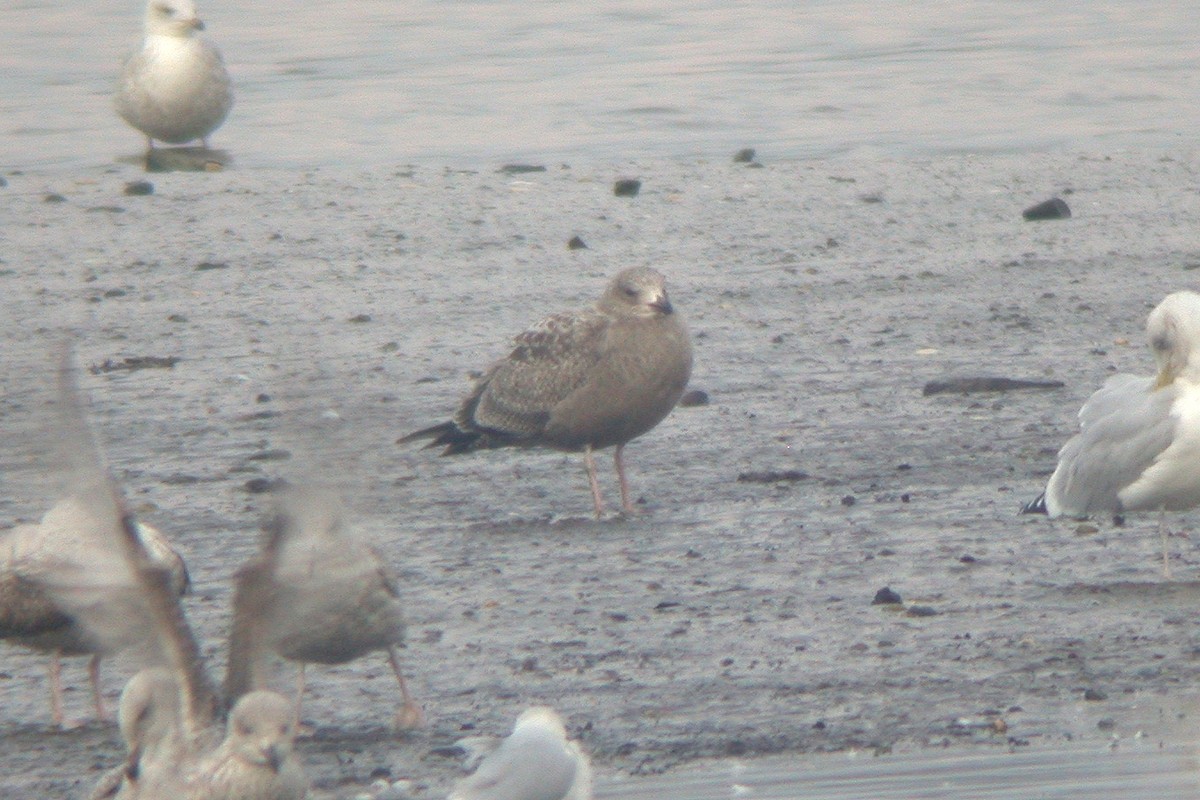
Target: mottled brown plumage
315 594
36 561
581 381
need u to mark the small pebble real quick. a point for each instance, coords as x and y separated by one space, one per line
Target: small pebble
139 188
849 500
1094 695
627 187
922 611
521 169
887 597
54 197
696 397
1054 208
744 156
576 244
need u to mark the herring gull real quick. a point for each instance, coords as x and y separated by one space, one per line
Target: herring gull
315 594
1138 444
535 762
175 88
36 556
581 380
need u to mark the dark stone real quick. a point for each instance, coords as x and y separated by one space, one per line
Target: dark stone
773 476
627 187
54 197
1095 695
139 188
849 500
260 485
576 244
887 597
1054 208
744 156
985 384
134 363
521 169
360 318
270 455
696 397
922 611
207 265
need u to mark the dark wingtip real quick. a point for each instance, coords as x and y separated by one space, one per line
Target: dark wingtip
1036 506
449 434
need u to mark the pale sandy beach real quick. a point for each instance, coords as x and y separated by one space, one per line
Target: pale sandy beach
326 312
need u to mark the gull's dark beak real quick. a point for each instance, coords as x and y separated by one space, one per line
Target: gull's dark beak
663 304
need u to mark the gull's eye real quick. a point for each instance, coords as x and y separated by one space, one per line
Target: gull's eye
1161 343
629 291
165 10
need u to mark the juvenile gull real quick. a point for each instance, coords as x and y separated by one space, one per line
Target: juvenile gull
1138 446
315 594
535 762
581 380
34 557
175 89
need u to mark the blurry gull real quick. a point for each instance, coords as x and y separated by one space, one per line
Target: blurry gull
315 594
175 89
57 549
535 762
1138 446
126 590
581 380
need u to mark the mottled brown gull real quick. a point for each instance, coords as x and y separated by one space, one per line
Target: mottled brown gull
315 594
581 380
1138 444
175 88
535 762
34 557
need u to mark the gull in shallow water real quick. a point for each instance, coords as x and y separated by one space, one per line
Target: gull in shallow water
58 549
175 89
315 594
581 381
1138 446
535 762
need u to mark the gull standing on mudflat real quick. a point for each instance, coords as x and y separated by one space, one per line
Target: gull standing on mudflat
1138 446
315 594
581 380
175 89
59 547
535 762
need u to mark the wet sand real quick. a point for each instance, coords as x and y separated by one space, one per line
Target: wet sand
328 312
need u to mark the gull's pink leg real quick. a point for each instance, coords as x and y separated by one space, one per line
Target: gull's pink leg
1162 532
410 715
300 683
56 700
97 696
590 463
619 461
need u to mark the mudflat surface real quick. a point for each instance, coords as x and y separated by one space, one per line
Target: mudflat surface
326 313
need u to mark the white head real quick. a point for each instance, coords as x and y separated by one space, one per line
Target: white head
261 730
1173 329
638 291
541 717
172 18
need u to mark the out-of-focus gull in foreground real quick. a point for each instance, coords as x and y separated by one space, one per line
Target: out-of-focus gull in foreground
581 380
189 757
57 551
535 762
175 88
315 594
1138 444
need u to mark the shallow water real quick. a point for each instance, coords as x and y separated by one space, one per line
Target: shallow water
376 81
